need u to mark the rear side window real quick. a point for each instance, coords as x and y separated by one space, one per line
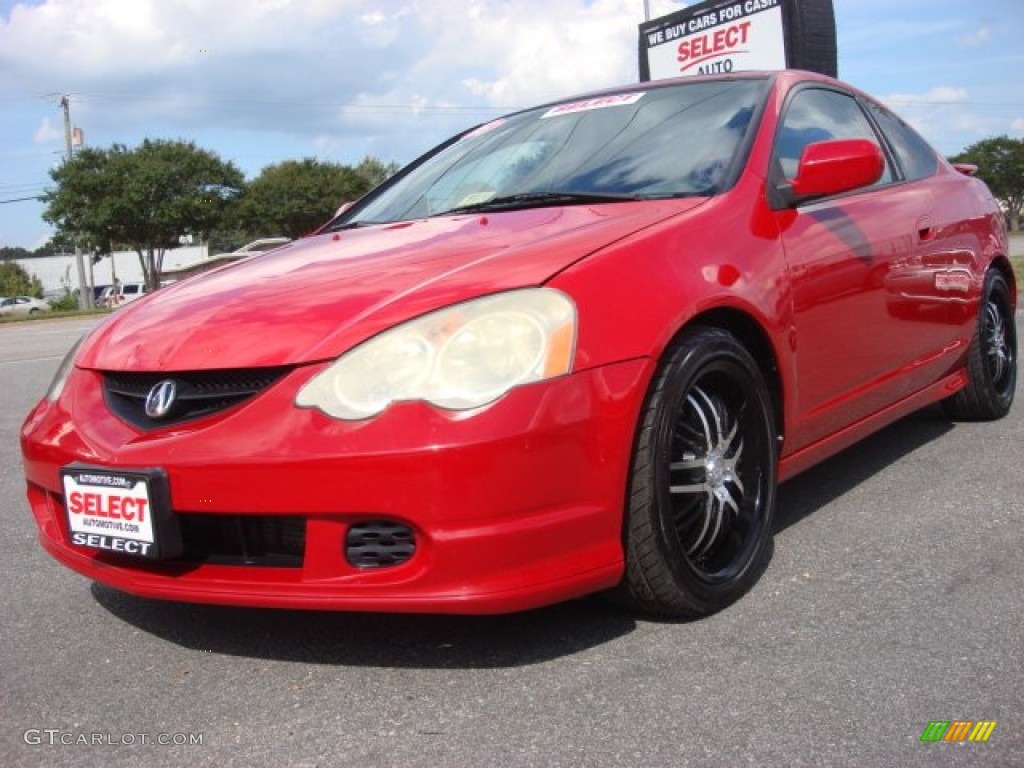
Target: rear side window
915 156
819 114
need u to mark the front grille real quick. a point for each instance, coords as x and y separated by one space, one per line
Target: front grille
269 540
262 540
379 544
199 393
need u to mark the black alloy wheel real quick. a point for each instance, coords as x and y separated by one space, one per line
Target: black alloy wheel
702 490
991 357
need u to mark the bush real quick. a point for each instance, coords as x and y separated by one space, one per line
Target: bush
15 281
66 303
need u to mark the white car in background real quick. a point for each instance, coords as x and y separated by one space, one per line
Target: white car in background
129 292
255 248
22 305
259 246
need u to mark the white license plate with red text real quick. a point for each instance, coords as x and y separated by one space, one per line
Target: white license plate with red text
114 511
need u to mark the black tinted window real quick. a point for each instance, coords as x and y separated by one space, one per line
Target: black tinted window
915 156
818 114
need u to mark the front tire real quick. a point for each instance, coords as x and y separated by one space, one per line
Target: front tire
702 486
991 358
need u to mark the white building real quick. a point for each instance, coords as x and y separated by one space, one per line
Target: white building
57 271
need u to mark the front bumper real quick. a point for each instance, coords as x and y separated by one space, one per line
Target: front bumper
514 506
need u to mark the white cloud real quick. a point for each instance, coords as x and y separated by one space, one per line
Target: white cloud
1018 124
665 7
939 95
312 68
47 132
946 116
976 39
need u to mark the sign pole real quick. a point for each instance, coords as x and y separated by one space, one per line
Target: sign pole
84 293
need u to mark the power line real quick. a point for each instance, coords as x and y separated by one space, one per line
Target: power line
19 200
215 102
29 186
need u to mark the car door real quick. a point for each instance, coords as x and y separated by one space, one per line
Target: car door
842 253
938 287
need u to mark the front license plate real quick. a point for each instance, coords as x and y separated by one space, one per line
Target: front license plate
122 511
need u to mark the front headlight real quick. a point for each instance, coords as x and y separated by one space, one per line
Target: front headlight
460 357
60 378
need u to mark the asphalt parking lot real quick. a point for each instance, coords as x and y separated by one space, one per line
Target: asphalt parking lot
894 598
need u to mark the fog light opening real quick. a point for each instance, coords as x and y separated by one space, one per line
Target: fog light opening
379 544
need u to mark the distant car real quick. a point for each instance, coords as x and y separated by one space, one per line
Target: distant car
22 305
573 349
129 292
260 246
256 247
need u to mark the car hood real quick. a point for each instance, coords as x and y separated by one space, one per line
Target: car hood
317 297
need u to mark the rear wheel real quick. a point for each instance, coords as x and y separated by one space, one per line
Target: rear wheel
702 488
991 358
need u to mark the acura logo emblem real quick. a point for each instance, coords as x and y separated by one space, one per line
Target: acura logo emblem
160 399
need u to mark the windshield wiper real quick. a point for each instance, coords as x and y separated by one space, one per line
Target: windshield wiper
536 200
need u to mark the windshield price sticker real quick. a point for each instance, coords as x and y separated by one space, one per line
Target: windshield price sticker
110 511
601 102
480 130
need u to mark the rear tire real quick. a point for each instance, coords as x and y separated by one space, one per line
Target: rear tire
702 487
991 358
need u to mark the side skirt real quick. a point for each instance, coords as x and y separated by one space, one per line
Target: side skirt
795 463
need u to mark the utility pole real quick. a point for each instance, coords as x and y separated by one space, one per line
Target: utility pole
84 291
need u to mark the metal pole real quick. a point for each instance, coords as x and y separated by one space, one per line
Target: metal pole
647 10
84 292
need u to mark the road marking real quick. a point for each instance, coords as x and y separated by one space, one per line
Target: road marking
31 360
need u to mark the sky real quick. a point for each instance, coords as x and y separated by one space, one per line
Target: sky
262 81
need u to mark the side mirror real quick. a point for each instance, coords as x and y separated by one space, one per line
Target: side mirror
836 166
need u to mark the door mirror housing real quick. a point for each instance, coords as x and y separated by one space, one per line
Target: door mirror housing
832 167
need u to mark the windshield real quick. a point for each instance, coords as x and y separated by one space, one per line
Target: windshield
676 141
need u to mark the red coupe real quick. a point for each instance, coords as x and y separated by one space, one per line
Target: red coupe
574 349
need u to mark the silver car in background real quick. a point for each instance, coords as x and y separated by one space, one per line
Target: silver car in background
21 305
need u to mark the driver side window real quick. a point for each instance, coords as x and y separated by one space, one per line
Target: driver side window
819 114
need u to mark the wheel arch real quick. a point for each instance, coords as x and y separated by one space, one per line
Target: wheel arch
1003 265
752 335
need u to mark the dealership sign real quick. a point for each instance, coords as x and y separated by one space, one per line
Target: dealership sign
722 36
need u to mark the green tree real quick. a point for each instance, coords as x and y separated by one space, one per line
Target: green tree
51 248
16 252
145 198
1000 162
294 197
376 171
15 281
